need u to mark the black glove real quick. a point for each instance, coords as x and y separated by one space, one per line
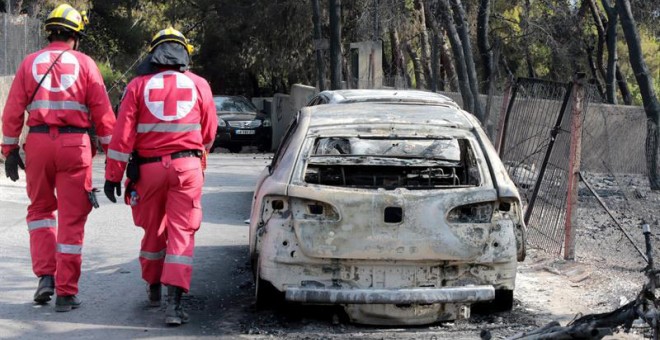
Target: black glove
12 163
109 189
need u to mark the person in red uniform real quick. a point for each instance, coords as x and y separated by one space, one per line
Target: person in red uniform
166 123
63 93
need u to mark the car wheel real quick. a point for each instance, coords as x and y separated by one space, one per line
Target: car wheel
262 148
234 148
503 302
266 296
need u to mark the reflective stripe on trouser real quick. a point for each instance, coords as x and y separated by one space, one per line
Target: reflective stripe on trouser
63 164
169 210
42 243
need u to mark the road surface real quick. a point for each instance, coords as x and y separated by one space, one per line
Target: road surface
221 297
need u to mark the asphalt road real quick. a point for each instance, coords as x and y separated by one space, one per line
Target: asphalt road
221 298
113 294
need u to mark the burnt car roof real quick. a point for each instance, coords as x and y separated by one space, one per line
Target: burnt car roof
370 113
387 96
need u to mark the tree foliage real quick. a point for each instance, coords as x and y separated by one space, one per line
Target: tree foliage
258 47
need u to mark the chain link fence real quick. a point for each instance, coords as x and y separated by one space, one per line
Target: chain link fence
614 166
20 36
614 197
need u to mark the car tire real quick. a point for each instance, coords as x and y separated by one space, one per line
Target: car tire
263 148
503 302
265 294
235 148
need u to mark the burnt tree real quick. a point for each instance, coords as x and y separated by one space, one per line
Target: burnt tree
645 82
464 33
444 12
335 44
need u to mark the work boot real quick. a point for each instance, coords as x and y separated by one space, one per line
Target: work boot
174 314
45 289
66 303
154 293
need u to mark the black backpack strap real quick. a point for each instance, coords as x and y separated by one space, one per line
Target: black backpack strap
44 77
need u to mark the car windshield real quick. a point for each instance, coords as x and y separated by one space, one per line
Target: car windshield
234 104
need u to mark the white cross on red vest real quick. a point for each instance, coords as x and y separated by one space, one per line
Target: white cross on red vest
170 95
63 74
61 69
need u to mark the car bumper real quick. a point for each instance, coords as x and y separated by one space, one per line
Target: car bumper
468 295
227 137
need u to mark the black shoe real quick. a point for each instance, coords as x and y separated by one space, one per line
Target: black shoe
154 293
66 303
45 289
174 314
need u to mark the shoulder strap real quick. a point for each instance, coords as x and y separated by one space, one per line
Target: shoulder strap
44 76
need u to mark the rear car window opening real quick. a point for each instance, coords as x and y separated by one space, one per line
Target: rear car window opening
390 163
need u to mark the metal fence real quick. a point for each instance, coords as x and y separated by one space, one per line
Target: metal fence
614 166
533 148
20 36
614 197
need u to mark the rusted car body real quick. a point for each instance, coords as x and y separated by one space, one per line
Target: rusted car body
401 213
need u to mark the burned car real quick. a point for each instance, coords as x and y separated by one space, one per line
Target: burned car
399 213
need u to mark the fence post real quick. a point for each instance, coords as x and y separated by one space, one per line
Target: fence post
575 156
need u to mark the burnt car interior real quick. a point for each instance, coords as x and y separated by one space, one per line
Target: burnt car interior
390 163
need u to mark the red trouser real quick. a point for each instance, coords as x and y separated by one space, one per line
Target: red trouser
170 212
62 163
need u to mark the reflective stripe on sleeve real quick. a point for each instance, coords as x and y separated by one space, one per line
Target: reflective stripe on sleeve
9 140
118 156
32 225
105 139
69 249
151 255
57 105
160 127
179 259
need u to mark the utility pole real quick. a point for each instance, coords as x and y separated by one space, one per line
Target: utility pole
335 44
316 16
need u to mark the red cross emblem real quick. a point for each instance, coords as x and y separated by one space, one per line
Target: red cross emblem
170 95
61 76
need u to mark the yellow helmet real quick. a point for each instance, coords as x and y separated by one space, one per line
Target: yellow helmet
169 34
65 16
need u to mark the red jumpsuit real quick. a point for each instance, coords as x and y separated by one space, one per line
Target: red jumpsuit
59 154
165 117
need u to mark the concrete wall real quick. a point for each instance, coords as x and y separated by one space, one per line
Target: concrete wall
5 84
284 108
281 114
370 64
301 95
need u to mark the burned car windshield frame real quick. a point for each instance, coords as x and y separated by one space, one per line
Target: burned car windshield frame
458 168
